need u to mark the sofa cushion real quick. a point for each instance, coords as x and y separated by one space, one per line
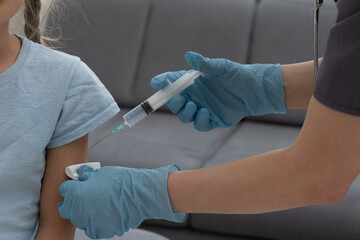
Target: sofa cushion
283 31
159 140
330 222
213 28
107 35
250 138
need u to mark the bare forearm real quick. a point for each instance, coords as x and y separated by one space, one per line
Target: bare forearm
264 183
298 82
318 168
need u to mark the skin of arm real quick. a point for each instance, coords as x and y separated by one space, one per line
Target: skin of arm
51 225
318 168
299 81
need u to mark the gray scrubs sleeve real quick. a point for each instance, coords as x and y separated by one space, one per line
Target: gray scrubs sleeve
338 84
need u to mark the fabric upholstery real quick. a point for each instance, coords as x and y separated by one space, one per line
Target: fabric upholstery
283 31
107 36
211 27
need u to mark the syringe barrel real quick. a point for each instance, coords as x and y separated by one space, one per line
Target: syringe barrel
164 95
135 116
161 97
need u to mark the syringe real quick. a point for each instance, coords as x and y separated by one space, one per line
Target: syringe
141 111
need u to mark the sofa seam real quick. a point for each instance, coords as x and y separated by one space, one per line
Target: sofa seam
142 46
252 31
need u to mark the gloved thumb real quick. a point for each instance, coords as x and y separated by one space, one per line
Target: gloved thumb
162 80
85 172
214 66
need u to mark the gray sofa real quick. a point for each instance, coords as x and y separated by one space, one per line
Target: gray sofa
127 42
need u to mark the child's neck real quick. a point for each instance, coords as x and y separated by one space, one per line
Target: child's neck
10 47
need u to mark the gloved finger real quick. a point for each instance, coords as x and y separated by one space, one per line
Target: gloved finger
67 190
176 103
63 210
122 230
187 114
85 172
66 187
89 231
76 223
202 120
76 210
162 80
214 66
105 232
213 125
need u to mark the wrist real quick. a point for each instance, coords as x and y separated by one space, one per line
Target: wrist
160 196
176 215
282 109
174 191
268 95
298 81
188 190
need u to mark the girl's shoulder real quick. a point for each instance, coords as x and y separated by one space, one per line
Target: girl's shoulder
46 56
53 72
53 67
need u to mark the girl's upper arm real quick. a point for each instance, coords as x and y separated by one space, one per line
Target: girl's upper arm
328 145
52 226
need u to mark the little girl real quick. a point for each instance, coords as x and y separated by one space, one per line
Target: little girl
49 102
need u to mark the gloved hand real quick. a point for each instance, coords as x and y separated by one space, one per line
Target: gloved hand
111 200
227 93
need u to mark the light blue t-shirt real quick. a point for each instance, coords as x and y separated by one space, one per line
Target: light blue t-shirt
47 99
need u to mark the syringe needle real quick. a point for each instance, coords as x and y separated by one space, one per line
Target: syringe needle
118 128
100 140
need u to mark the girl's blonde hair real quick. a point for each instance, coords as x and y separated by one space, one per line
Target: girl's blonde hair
31 19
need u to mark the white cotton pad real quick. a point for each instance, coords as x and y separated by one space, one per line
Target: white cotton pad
71 171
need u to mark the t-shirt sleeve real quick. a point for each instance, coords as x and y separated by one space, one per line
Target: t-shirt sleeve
338 84
87 105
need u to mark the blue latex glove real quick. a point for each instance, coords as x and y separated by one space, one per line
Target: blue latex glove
111 200
227 93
